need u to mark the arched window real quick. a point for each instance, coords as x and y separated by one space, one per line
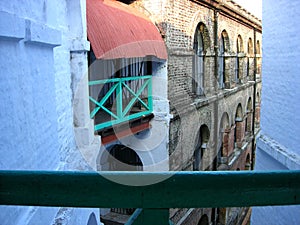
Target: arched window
237 63
239 131
198 61
257 47
223 138
122 158
201 145
222 62
248 122
258 64
250 54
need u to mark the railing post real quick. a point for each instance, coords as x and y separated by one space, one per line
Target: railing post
150 98
119 99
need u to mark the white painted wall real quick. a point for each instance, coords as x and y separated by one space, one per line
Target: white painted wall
281 69
277 148
37 40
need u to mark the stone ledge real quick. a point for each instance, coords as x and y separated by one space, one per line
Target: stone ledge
42 34
279 152
11 27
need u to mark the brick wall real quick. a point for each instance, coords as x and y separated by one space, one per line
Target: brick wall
177 22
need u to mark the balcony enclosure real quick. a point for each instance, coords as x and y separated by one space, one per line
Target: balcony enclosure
120 92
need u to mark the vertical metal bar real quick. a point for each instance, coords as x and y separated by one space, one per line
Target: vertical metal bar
119 99
150 98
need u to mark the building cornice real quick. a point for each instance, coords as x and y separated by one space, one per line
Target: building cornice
233 11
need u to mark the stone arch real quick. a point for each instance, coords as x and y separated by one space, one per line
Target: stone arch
202 28
199 18
204 220
201 145
239 112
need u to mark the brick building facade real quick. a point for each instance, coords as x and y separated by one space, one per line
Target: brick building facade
214 86
195 109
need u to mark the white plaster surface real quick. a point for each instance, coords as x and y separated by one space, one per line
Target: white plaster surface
278 147
36 116
280 119
269 215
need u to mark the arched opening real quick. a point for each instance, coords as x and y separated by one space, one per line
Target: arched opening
198 61
92 220
257 47
258 58
201 46
123 158
238 63
248 122
257 109
223 48
249 56
201 145
223 138
203 220
238 130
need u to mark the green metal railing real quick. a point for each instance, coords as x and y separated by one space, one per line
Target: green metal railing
123 109
176 190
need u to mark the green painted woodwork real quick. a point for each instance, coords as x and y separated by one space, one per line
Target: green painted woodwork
117 89
178 190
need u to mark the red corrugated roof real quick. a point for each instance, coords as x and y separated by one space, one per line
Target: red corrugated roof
117 30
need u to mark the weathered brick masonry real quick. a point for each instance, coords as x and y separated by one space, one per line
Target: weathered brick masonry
230 101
